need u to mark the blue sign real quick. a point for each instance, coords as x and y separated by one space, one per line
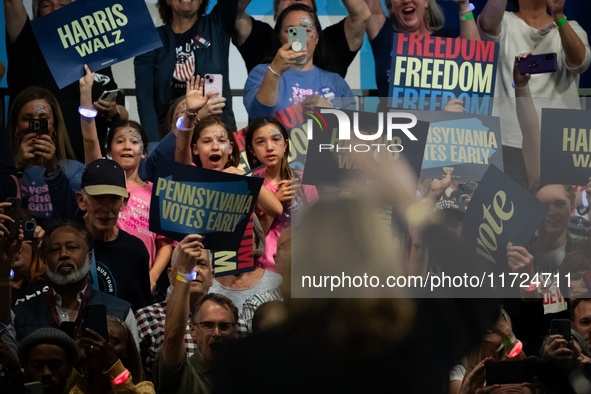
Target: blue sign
464 143
425 68
194 200
98 33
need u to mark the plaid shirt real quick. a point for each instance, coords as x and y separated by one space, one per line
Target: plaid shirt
150 324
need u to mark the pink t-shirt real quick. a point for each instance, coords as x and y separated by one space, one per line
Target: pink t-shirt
281 222
135 217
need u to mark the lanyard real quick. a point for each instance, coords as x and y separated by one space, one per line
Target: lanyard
93 272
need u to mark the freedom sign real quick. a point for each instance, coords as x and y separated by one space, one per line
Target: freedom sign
426 67
565 146
98 33
193 200
464 143
501 213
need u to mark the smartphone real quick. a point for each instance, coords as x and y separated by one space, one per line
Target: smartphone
28 229
69 327
13 211
561 327
33 388
537 64
109 95
509 372
298 34
95 318
38 126
214 84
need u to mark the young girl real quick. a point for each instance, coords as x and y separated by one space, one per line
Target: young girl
267 142
127 144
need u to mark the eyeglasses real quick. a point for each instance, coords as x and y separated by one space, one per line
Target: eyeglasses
208 327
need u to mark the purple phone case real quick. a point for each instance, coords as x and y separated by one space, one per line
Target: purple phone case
537 64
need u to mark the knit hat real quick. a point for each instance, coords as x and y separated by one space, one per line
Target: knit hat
48 336
104 176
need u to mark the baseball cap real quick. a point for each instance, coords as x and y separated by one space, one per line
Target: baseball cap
104 176
449 204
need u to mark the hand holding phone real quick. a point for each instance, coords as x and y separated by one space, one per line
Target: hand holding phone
38 126
299 37
14 212
109 95
214 84
537 64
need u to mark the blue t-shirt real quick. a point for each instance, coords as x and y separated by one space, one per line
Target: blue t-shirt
296 84
381 47
35 191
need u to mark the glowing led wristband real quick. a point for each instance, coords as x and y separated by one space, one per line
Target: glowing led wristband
532 287
121 378
87 113
468 10
519 87
561 22
186 278
516 350
584 199
11 274
179 125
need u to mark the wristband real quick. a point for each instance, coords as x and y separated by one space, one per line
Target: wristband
179 125
87 113
516 349
584 199
561 22
468 10
519 87
466 17
532 287
273 71
121 378
509 341
186 278
11 274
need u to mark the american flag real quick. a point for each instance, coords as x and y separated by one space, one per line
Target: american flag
185 70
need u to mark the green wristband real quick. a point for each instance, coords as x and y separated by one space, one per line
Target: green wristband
466 17
561 22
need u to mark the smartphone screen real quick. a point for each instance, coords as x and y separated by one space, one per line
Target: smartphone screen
13 211
95 318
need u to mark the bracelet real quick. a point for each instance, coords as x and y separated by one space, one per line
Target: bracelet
179 125
509 341
516 350
185 278
466 17
561 22
273 71
468 10
121 378
519 87
87 113
532 287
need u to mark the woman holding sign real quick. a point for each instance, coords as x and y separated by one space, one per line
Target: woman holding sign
423 17
127 144
292 77
192 44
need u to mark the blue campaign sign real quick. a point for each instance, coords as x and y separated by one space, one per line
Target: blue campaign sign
565 151
442 67
501 213
99 33
193 200
464 143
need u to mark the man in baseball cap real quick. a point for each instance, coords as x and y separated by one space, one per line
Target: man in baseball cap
121 265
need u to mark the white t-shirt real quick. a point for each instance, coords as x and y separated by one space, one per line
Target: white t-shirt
548 263
563 85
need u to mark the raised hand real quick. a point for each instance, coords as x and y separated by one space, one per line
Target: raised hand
439 186
87 80
521 81
98 348
187 252
285 58
44 147
556 7
26 151
214 106
194 98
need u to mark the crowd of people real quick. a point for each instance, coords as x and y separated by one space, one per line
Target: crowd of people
92 301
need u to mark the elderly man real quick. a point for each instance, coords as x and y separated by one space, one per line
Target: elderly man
48 356
67 251
214 320
121 264
152 319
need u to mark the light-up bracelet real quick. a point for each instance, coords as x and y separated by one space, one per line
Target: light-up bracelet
179 125
11 274
516 349
519 87
584 199
468 10
121 378
186 278
87 113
